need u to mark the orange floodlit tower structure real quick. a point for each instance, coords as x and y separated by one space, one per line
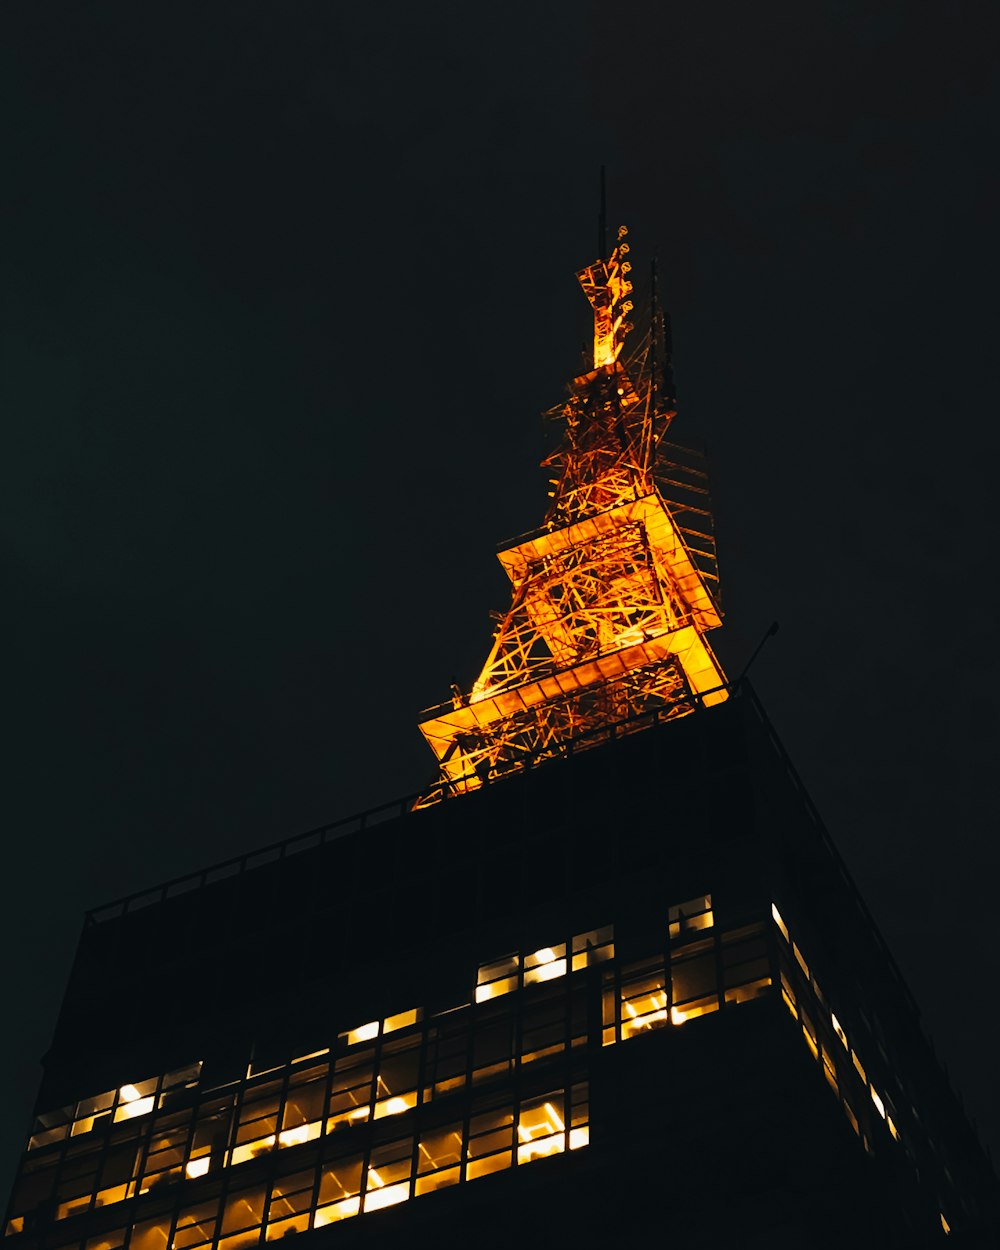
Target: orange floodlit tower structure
614 594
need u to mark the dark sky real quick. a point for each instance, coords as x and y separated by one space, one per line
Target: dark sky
285 288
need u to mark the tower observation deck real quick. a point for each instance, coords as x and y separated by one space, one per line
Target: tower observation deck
613 596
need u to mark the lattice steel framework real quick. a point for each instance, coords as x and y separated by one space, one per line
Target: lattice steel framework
612 597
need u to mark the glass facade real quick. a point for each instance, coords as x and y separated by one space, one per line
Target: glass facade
393 1109
839 1061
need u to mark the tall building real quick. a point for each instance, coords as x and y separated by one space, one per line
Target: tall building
606 981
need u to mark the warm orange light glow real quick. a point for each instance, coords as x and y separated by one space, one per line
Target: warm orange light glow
376 1199
300 1134
337 1211
129 1110
364 1033
401 1021
495 989
613 596
396 1105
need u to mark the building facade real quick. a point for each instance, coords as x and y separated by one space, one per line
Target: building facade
607 981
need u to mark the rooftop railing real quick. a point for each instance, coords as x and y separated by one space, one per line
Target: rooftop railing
298 843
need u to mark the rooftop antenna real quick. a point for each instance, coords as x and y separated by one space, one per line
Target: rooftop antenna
771 631
602 221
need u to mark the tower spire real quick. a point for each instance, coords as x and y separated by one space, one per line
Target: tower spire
613 596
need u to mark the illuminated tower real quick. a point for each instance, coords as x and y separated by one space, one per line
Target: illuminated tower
613 596
626 992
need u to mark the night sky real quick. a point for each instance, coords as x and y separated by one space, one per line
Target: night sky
285 288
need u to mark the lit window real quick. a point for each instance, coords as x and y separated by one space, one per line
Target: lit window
91 1111
809 1033
196 1225
118 1173
609 1011
594 947
746 967
545 964
688 917
290 1206
858 1068
402 1021
829 1071
490 1145
944 1224
643 999
541 1129
150 1234
113 1240
879 1104
799 959
776 915
211 1131
244 1211
302 1118
396 1085
167 1147
258 1122
388 1178
838 1030
337 1211
53 1126
131 1110
579 1132
497 978
313 1054
339 1189
351 1089
693 982
439 1158
363 1033
386 1196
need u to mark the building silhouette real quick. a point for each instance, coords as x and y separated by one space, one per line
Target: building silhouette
606 980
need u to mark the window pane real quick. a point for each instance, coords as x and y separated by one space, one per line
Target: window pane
693 978
244 1209
196 1225
545 964
541 1128
390 1163
150 1234
341 1178
440 1148
690 916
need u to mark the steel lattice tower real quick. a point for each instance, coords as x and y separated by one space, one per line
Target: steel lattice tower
614 594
